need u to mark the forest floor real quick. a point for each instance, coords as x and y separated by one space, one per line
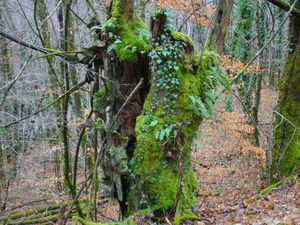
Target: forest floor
230 171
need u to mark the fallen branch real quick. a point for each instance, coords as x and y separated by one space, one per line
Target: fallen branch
27 203
51 218
31 212
267 190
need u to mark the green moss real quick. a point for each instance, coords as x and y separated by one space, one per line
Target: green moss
118 9
128 221
128 38
134 39
286 154
154 171
178 36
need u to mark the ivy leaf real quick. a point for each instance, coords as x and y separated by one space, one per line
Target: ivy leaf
110 48
153 123
197 143
97 28
133 50
157 134
118 41
158 61
161 135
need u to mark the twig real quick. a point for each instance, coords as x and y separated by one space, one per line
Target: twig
97 162
285 6
23 43
235 79
47 106
15 80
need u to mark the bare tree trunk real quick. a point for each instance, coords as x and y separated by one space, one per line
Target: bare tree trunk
221 24
42 25
261 34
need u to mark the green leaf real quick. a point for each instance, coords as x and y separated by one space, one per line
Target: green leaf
110 48
153 123
133 50
197 143
161 135
157 134
118 41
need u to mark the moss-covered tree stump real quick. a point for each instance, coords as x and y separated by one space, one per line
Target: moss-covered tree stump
147 156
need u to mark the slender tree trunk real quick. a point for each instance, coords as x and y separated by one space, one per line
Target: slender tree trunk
42 25
7 73
221 24
261 34
73 72
241 47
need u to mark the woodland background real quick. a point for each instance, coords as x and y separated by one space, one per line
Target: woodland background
233 152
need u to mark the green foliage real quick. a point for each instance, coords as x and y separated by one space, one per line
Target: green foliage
243 33
127 38
286 154
243 13
166 128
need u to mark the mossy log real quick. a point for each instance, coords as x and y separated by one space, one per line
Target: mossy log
267 190
50 218
32 214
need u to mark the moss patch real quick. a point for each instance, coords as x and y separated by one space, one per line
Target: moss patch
286 154
128 38
155 165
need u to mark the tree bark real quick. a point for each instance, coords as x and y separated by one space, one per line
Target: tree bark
261 35
146 159
221 24
286 152
285 6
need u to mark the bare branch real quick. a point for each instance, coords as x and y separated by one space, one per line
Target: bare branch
285 6
237 77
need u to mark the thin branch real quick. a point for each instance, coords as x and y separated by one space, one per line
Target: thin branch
70 91
97 161
285 6
78 17
23 43
15 80
92 7
49 52
235 79
125 103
